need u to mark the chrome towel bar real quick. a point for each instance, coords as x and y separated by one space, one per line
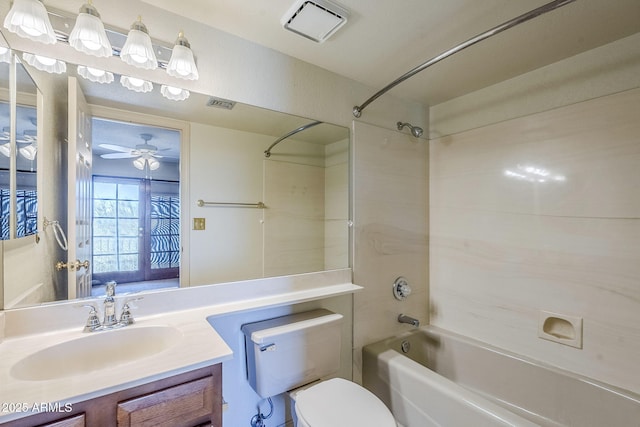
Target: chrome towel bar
258 205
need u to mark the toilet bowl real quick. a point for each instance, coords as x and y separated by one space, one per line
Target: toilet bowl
339 403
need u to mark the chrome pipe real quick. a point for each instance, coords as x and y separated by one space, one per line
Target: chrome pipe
267 152
357 110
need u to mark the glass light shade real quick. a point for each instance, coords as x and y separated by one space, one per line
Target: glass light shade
5 54
44 63
182 64
174 93
135 84
139 163
137 50
95 75
5 149
29 19
88 34
29 152
153 164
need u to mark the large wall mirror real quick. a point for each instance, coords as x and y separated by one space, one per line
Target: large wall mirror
181 193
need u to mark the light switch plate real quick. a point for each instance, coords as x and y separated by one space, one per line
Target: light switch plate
198 224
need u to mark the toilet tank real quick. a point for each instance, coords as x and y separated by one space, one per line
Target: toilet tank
290 351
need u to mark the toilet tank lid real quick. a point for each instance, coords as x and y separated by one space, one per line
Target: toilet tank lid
267 330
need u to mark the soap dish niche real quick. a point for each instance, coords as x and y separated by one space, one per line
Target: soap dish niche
560 328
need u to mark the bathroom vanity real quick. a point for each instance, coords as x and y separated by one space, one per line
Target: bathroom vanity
165 367
193 398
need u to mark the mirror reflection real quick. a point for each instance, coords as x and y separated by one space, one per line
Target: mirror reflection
153 158
26 150
5 140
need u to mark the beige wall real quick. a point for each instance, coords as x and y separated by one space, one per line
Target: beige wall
286 238
507 244
226 166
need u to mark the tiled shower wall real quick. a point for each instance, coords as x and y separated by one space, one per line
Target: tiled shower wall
543 213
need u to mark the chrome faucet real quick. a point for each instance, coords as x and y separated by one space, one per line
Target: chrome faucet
408 319
110 321
110 306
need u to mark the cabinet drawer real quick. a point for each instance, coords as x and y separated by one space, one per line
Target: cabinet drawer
186 404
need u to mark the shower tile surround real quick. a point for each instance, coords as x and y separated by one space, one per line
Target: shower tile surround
390 232
543 213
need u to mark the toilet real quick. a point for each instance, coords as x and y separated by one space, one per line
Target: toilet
291 353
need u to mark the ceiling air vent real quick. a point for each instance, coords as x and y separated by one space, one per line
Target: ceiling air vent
220 103
316 20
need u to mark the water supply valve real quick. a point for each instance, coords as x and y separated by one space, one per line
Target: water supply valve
401 288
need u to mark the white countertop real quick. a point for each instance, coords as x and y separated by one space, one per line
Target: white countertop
198 345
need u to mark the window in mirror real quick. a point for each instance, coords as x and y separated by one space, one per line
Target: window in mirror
136 206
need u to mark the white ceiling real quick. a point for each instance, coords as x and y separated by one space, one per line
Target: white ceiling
384 39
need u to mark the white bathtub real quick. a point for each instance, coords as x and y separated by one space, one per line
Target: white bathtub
449 380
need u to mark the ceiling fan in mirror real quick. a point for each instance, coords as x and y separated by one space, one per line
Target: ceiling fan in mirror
29 137
145 154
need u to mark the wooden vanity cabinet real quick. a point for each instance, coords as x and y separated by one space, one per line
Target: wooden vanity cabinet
186 400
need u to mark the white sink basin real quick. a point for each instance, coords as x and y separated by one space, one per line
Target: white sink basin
95 351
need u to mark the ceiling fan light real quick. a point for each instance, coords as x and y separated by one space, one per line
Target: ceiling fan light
5 54
95 75
5 149
29 152
137 50
182 64
88 34
153 164
139 163
174 93
44 63
29 19
135 84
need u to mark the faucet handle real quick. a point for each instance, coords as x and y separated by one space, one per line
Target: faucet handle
126 318
93 322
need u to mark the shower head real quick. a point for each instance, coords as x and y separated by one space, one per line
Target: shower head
415 130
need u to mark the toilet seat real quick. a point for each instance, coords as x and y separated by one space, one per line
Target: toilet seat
341 403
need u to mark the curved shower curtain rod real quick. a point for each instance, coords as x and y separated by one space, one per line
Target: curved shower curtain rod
357 110
267 152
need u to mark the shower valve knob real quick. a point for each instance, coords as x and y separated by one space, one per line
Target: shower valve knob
401 288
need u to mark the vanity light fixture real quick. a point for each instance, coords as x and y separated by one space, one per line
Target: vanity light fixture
174 93
88 34
137 50
182 64
95 75
5 54
44 63
135 84
29 19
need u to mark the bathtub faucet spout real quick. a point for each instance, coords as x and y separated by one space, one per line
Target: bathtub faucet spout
408 319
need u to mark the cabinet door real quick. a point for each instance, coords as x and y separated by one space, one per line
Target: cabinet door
186 404
77 421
